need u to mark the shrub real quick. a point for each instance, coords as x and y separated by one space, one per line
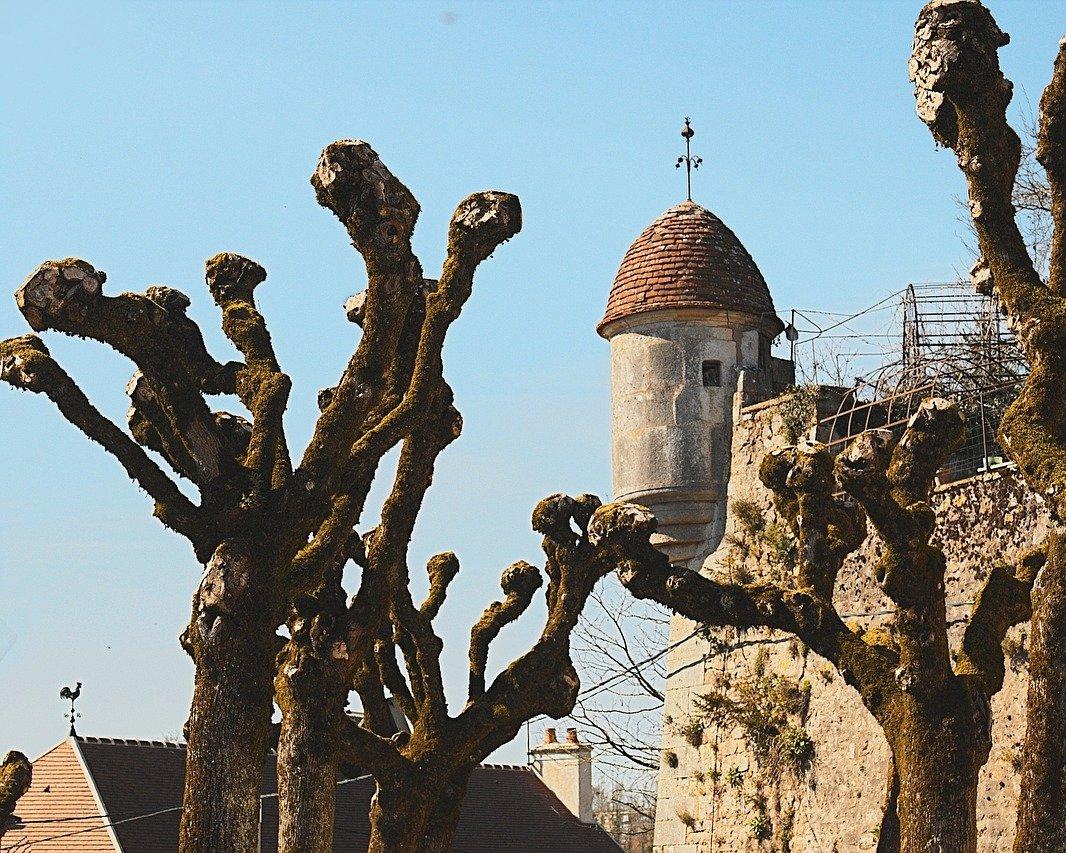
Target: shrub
797 747
797 410
692 731
749 515
760 827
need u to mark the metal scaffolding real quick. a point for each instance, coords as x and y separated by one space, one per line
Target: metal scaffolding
930 339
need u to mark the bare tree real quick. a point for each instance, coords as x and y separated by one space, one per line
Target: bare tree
274 539
16 774
1032 200
620 645
422 776
962 95
934 716
630 825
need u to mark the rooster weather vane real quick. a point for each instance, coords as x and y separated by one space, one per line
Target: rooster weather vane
72 695
690 162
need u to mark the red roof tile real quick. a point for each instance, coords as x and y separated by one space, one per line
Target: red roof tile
139 784
688 258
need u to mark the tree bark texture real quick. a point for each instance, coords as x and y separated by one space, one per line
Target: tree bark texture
962 95
418 816
16 774
1042 811
939 757
935 715
232 641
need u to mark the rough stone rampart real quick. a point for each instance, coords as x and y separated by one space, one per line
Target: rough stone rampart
716 791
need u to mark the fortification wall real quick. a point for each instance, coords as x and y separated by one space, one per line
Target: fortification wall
720 789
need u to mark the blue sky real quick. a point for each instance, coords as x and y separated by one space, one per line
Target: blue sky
146 137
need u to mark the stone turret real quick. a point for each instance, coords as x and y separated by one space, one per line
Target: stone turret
690 321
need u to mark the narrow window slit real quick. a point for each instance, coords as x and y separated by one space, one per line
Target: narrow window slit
712 374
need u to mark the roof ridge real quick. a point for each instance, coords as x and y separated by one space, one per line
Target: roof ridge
119 741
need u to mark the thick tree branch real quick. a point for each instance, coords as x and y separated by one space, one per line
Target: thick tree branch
519 581
1051 153
260 383
16 774
933 433
481 222
379 213
152 427
26 364
862 471
442 569
892 483
393 678
157 336
827 527
543 680
647 574
962 96
1002 603
366 749
387 553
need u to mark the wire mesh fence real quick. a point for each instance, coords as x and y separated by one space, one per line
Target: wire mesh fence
939 339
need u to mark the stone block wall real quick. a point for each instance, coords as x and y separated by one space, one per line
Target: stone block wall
714 792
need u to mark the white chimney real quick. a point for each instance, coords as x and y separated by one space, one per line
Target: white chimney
566 768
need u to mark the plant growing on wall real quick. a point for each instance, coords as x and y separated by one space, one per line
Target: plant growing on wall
962 95
769 711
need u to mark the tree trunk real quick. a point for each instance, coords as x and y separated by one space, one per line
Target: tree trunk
417 818
888 835
308 751
1041 809
938 757
232 641
16 774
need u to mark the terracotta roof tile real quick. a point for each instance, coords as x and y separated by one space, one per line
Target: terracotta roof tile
59 812
687 258
506 807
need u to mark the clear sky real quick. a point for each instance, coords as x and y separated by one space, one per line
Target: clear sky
146 137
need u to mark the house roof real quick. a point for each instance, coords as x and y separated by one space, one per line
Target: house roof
60 805
506 807
688 258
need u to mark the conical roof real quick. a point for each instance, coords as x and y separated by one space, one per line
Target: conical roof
688 258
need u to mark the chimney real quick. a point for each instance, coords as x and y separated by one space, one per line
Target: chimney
566 768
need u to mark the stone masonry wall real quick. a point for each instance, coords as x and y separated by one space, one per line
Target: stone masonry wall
715 791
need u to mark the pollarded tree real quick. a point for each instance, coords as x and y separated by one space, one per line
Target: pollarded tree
935 716
962 96
273 538
16 774
422 776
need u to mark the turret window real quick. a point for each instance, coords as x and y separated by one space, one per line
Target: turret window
712 374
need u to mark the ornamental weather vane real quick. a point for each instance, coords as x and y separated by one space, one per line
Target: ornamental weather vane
72 695
689 161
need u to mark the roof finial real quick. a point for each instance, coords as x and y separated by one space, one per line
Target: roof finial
690 162
72 695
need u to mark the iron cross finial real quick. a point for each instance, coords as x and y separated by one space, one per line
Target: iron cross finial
690 162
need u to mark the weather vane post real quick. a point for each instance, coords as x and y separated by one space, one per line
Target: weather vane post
72 695
690 162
